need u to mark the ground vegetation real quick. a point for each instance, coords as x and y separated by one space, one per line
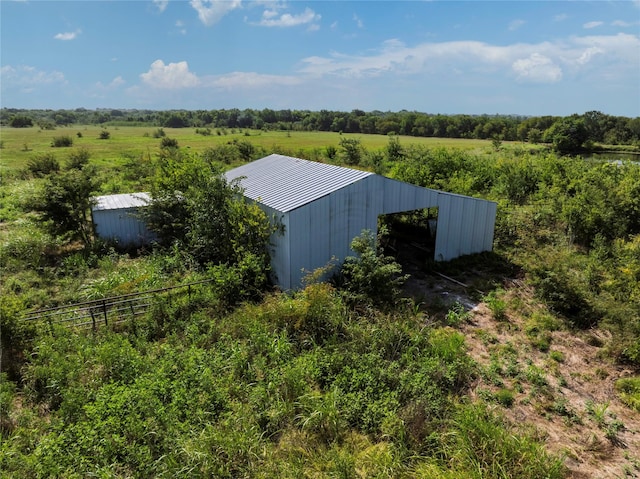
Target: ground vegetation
527 367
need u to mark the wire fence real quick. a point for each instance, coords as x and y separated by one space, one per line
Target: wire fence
107 311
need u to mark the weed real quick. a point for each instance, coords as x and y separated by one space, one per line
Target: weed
629 391
557 356
496 304
504 397
457 315
535 376
598 412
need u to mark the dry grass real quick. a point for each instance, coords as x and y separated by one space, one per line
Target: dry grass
572 401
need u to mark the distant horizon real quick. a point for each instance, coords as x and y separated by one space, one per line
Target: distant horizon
155 110
519 58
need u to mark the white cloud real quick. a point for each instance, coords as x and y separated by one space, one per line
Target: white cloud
116 82
544 62
396 56
246 80
112 85
622 23
270 18
68 35
181 27
171 76
26 75
588 54
537 69
561 17
621 49
590 25
269 14
358 21
161 5
515 24
212 11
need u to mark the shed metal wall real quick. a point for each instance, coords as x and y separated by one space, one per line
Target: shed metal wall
122 226
321 231
465 225
324 207
279 248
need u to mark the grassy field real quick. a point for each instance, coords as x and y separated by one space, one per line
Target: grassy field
21 144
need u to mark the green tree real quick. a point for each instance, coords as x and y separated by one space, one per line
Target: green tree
20 121
193 204
568 134
535 136
394 149
351 150
66 201
371 277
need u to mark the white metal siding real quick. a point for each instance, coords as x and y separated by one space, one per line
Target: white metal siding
279 246
122 226
322 230
465 224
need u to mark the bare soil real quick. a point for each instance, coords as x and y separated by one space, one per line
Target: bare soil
565 393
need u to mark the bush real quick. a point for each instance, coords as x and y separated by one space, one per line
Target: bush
159 133
78 159
104 135
496 305
504 397
64 141
27 247
17 336
203 131
483 442
168 142
42 165
371 277
629 390
20 121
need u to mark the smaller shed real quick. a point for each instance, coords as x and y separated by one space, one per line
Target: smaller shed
116 218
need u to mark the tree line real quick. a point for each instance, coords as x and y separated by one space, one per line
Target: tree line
592 126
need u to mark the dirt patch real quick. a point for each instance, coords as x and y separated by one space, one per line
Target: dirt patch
561 385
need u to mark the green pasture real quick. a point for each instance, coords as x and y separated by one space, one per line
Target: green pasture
21 144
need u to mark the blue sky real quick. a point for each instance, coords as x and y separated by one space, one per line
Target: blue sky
495 57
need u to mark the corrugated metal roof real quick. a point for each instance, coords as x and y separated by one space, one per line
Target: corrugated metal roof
121 201
285 183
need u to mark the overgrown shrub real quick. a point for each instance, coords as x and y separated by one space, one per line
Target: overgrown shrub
479 447
78 159
7 397
42 165
629 391
17 335
371 277
64 141
168 142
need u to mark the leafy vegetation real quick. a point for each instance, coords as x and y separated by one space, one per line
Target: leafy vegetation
339 379
566 133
